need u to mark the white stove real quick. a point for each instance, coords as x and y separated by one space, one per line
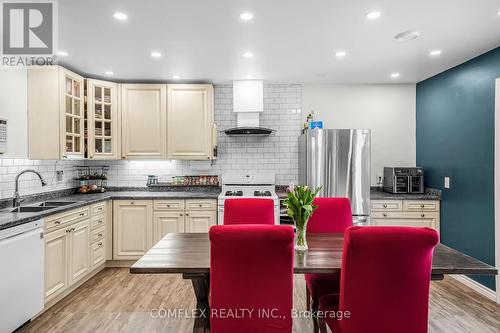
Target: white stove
244 186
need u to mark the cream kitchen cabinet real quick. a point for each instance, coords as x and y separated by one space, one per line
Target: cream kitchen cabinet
132 228
79 253
415 213
67 255
103 120
190 118
55 114
144 121
191 215
167 222
200 221
56 259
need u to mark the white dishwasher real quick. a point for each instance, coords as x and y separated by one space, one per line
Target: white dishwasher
21 274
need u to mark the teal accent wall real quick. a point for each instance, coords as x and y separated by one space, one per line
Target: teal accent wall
455 138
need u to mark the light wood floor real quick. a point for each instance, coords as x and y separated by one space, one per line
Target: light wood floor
116 301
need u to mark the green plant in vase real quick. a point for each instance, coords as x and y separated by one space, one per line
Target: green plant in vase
299 204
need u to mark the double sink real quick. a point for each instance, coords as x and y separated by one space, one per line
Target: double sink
46 205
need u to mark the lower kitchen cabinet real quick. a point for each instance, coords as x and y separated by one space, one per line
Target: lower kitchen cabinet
79 254
413 213
56 269
167 222
200 221
132 228
67 257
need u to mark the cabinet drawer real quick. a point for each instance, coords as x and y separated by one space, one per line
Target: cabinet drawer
97 221
424 222
405 215
97 235
200 204
97 209
422 205
169 205
97 254
56 221
386 205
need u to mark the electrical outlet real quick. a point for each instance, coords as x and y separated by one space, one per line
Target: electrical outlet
380 179
446 182
59 176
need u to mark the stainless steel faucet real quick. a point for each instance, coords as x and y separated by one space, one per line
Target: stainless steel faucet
16 202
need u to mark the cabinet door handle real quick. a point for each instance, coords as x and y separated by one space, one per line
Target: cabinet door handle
73 229
82 214
422 206
57 222
131 202
385 206
423 215
99 244
99 235
182 215
187 214
200 205
68 230
168 206
385 215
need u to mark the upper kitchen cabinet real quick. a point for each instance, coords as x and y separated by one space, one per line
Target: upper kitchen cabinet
55 114
190 117
144 123
103 122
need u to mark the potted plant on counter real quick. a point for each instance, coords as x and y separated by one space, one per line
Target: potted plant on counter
299 204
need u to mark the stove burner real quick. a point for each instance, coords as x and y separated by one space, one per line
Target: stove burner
234 193
262 194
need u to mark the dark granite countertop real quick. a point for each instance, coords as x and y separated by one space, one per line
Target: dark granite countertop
376 194
430 194
8 219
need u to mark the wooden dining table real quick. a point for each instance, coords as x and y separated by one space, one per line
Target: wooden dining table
189 254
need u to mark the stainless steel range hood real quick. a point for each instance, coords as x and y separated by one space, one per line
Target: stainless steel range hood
248 103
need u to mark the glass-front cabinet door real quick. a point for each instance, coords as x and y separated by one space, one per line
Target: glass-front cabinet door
102 119
72 115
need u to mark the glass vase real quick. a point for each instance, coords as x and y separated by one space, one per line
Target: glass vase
300 239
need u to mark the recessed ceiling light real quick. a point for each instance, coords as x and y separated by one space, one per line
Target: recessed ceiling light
340 54
62 53
156 54
406 36
498 12
248 54
435 53
110 73
246 16
395 75
120 16
176 77
373 15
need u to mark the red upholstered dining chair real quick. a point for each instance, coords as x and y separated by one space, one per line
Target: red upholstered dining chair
333 215
248 211
251 274
384 283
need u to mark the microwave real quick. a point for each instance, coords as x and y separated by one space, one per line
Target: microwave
404 180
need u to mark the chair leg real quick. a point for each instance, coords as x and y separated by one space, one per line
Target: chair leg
308 299
322 325
314 309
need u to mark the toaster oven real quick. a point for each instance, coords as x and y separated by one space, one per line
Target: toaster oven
404 180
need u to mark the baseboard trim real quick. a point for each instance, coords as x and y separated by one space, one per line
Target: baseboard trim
476 286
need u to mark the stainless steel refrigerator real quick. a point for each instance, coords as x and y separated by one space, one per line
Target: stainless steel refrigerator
339 160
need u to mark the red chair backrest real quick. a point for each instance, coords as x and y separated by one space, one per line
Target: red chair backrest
251 267
385 279
248 211
333 215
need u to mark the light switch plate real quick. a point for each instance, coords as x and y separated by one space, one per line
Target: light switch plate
59 174
446 182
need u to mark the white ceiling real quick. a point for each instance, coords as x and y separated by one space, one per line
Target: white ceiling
292 40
